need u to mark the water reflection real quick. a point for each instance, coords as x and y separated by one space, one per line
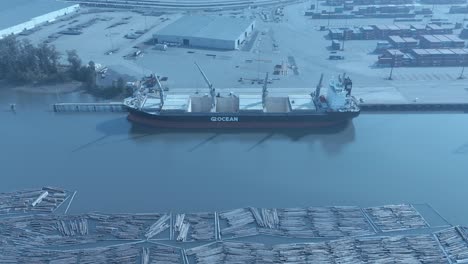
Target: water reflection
332 139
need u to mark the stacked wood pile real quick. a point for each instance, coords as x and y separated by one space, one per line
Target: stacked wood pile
454 242
44 200
399 249
195 227
120 254
396 217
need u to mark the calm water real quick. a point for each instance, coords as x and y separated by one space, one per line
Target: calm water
378 159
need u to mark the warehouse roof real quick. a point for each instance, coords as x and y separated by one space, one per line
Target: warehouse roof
225 28
16 12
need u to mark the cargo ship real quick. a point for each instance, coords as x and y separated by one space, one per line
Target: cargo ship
151 105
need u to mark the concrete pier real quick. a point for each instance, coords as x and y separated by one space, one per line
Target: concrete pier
89 107
414 107
365 107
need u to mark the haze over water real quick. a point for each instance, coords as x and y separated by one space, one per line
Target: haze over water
115 167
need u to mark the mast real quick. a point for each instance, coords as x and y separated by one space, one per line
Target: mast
348 85
265 90
317 89
161 91
210 86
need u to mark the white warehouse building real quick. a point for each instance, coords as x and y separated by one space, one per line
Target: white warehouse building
210 32
19 15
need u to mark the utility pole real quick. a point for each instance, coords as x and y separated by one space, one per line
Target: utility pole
344 38
258 65
344 33
109 34
462 72
393 65
146 24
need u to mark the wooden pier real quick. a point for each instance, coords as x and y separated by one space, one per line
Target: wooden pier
89 107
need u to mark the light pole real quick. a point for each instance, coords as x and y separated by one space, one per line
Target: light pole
344 37
146 24
109 34
461 73
393 65
463 68
344 33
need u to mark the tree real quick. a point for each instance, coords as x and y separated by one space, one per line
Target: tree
120 84
75 64
21 61
89 75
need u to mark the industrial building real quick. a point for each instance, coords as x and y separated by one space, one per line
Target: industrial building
20 15
210 32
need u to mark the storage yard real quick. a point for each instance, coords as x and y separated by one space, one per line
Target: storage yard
337 234
293 47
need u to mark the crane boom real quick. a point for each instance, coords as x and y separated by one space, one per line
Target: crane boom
210 85
319 86
265 89
161 91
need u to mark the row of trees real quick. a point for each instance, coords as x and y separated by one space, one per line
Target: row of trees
21 62
87 75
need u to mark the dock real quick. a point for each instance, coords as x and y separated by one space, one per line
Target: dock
414 107
365 107
89 107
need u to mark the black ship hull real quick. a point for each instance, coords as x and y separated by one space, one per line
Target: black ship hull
237 120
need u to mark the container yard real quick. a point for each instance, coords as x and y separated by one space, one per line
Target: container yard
357 45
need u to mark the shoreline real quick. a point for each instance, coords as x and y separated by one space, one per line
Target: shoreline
67 87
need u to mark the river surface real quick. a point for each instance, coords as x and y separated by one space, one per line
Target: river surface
116 167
